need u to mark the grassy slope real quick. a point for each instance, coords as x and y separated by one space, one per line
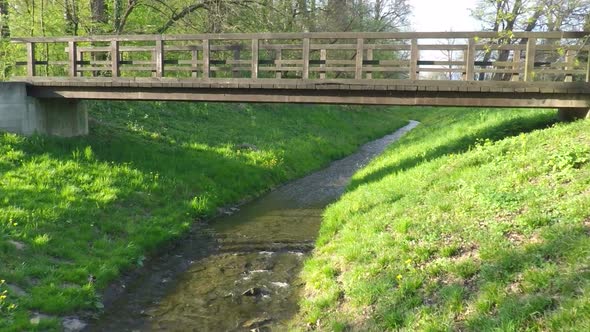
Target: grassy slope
97 205
434 236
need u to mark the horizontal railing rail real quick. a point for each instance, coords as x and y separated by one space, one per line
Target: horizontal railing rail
351 56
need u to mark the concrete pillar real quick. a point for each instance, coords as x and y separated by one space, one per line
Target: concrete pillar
26 115
571 114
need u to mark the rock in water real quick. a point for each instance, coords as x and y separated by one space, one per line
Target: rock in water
256 322
254 291
73 324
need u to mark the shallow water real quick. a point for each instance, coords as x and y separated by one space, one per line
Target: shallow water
240 271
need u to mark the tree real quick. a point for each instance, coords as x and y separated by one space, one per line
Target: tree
505 16
364 15
4 27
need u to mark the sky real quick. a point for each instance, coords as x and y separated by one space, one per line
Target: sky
443 15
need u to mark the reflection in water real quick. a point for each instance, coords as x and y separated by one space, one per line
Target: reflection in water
244 275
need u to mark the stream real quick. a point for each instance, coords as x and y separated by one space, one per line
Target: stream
239 271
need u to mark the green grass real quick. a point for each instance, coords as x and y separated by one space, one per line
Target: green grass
98 205
477 220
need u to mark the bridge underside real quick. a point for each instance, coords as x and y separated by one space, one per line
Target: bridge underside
371 92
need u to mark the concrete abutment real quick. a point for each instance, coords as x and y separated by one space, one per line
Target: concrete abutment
572 114
26 115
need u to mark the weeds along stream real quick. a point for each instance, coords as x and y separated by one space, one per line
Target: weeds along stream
241 272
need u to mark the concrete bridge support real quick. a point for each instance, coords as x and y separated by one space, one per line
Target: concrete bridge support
571 114
26 115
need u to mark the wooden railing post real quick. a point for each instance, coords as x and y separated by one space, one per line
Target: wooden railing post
370 67
569 60
305 73
529 67
80 57
235 67
278 59
470 60
115 58
414 57
31 59
72 55
254 58
194 59
588 68
206 54
323 65
515 66
160 57
360 54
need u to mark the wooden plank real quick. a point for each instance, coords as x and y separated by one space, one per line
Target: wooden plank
515 66
588 68
79 56
312 35
369 67
414 57
154 60
559 71
323 66
443 47
206 55
281 70
159 58
334 69
31 59
115 58
254 58
278 58
237 51
569 59
95 69
470 60
441 70
530 59
194 62
358 73
305 73
352 47
72 55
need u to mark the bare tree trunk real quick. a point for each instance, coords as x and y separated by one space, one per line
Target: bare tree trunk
98 15
339 18
71 14
117 11
4 27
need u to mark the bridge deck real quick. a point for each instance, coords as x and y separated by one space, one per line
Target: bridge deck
401 92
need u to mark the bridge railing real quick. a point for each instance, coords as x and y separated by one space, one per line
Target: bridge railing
519 56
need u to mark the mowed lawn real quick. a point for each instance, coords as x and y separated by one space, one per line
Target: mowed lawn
74 209
478 220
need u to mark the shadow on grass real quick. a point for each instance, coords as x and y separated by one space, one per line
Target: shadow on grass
520 307
511 127
495 295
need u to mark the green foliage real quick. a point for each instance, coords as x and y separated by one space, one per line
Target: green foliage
99 205
87 17
492 213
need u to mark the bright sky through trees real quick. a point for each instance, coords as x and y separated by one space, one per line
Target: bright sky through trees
443 15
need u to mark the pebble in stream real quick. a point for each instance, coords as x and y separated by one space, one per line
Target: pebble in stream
248 281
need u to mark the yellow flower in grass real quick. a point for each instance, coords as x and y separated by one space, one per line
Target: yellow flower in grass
399 277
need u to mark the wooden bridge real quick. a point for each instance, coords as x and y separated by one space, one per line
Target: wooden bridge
520 69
